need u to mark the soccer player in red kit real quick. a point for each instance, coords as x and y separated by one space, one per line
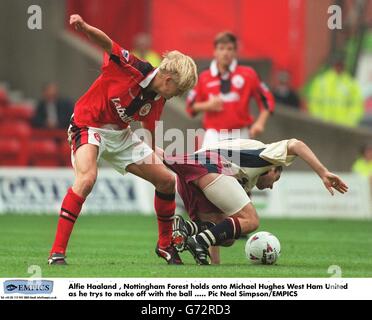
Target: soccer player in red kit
128 89
223 94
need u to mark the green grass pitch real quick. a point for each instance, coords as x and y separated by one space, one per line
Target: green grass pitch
123 246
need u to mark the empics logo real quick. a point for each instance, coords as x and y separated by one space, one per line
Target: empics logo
28 287
11 287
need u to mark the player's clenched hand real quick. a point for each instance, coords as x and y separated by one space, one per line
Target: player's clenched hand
331 181
77 22
215 104
256 130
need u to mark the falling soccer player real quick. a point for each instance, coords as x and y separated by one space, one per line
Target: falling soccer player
214 182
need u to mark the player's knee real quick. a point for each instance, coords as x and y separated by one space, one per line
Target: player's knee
248 226
166 184
254 223
249 220
85 182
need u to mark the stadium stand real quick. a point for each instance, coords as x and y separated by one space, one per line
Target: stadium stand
17 112
22 145
44 153
10 153
83 61
4 100
15 138
65 154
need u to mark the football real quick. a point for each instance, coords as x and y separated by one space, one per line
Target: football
262 248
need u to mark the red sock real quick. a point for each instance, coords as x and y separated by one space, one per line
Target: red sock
164 207
70 210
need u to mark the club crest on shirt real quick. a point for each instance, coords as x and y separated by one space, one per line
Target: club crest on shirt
125 54
237 81
97 136
145 109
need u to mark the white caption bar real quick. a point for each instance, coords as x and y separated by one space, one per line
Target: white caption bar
187 289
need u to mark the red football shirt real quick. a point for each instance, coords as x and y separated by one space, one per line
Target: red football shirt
117 97
236 89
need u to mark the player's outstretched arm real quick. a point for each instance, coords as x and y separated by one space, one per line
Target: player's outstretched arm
330 180
95 35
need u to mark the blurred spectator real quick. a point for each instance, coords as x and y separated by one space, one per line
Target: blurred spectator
367 95
363 165
223 94
4 101
334 96
283 92
142 49
52 111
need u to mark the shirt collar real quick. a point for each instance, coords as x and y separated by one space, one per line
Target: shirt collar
145 82
214 70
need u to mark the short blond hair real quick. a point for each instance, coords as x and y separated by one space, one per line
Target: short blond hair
182 69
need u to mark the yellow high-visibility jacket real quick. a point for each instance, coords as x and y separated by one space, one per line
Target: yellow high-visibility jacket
362 167
150 56
336 98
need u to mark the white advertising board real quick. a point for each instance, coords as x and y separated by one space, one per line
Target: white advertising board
296 194
32 190
302 194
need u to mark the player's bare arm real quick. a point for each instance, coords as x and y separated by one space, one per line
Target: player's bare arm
95 35
330 180
266 103
259 125
214 104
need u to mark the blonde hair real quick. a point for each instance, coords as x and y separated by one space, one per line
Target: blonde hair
182 69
